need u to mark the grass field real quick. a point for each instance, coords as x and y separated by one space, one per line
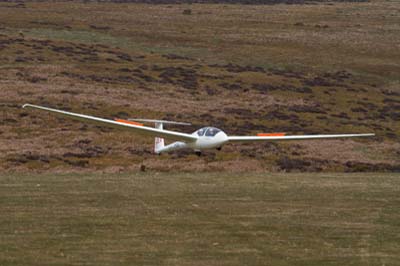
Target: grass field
200 219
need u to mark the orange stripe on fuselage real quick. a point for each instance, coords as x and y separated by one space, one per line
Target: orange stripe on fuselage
128 122
270 134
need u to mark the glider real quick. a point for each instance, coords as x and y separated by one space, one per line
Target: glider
204 138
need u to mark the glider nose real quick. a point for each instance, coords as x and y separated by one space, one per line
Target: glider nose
210 142
221 138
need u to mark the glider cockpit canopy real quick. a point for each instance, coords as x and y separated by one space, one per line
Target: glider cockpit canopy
208 131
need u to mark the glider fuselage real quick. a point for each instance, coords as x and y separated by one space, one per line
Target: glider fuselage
207 138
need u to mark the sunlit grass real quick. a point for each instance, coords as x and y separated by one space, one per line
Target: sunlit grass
210 218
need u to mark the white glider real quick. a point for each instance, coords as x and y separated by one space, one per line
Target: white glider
204 138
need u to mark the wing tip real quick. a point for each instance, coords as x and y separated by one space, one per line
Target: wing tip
365 135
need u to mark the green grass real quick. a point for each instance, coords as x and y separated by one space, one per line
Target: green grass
199 219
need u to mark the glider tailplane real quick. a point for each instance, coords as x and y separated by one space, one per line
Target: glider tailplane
159 145
158 142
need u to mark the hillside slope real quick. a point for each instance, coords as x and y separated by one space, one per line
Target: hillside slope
326 68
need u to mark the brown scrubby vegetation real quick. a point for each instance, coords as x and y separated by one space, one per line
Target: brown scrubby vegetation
243 68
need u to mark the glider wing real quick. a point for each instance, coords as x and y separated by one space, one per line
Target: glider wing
122 124
293 137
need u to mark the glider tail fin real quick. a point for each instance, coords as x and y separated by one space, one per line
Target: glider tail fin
158 142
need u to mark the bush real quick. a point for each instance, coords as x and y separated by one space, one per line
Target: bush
187 12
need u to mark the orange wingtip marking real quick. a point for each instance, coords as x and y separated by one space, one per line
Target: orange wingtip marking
128 122
270 134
